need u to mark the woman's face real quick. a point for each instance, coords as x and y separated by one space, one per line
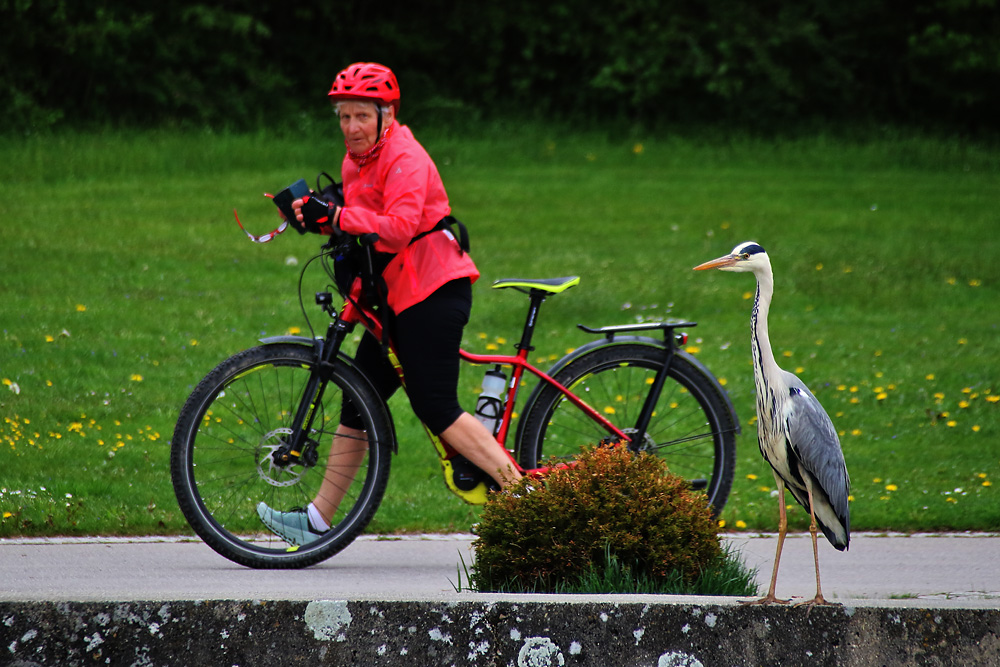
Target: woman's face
359 123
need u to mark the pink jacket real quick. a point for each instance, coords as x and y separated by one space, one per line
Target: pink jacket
399 195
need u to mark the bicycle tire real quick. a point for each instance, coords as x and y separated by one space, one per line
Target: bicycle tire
221 468
692 428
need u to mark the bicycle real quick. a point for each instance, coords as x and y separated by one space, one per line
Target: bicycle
258 426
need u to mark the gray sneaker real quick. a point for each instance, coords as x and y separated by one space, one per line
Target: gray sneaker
293 527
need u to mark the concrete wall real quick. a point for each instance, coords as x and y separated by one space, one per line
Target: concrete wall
492 631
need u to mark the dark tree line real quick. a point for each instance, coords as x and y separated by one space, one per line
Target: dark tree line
766 63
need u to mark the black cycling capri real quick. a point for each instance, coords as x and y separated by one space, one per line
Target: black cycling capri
427 336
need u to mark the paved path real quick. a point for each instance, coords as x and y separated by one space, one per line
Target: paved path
945 567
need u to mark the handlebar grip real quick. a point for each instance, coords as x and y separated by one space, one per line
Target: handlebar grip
368 239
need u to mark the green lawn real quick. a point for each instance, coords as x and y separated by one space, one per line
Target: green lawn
126 279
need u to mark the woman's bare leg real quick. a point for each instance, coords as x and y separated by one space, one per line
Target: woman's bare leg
347 453
473 441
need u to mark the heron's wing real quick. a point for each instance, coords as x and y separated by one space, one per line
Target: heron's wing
813 437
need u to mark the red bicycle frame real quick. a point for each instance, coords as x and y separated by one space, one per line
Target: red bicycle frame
354 312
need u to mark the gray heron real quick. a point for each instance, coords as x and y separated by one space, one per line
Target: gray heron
796 436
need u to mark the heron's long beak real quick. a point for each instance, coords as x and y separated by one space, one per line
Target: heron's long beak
720 263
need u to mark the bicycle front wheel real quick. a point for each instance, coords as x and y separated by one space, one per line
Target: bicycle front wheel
222 455
692 428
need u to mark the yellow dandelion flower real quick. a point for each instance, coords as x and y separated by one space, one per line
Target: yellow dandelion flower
723 381
799 369
841 387
962 341
747 296
80 308
786 353
722 523
692 349
856 432
994 398
850 499
939 395
881 396
951 281
981 475
877 480
891 487
741 524
294 331
637 149
819 267
48 338
975 282
492 346
975 428
610 410
764 489
501 340
751 477
193 343
482 335
950 500
963 404
7 515
136 377
819 341
952 423
987 483
854 389
855 400
724 225
929 376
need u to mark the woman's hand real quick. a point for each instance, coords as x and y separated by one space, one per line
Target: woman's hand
311 211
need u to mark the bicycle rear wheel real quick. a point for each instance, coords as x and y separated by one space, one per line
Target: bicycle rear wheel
692 428
221 455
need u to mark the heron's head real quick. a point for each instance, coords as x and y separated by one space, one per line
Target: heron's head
747 256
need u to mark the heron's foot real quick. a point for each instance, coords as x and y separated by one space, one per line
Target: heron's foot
818 601
770 598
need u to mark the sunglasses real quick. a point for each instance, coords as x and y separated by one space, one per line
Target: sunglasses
263 238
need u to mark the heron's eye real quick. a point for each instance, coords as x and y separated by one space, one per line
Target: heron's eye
745 255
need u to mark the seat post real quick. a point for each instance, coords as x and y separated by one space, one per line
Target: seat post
537 298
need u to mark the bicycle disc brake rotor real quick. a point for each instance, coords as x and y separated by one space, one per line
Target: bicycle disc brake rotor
648 444
267 469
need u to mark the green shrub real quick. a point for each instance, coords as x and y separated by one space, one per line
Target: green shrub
613 511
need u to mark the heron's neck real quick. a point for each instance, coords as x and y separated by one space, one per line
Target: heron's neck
763 357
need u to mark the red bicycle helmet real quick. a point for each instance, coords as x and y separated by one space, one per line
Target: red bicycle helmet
366 81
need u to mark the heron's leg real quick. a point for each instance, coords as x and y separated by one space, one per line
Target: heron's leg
813 530
771 598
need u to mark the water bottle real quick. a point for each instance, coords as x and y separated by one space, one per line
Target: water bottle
489 407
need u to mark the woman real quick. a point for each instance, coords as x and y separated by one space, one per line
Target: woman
392 188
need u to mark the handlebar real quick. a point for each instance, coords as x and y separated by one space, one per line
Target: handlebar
344 238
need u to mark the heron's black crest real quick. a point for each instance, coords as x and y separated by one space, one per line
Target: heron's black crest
748 248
